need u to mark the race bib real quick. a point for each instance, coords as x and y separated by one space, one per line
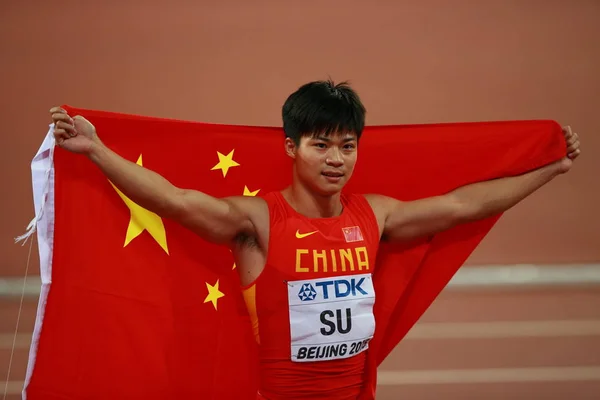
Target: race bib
331 318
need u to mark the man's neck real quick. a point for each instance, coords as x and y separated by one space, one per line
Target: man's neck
310 204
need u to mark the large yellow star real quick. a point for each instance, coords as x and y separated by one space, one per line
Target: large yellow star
247 191
143 220
214 294
225 162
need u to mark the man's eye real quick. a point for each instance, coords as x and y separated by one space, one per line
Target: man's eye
320 145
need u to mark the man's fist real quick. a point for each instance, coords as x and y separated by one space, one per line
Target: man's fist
573 150
75 134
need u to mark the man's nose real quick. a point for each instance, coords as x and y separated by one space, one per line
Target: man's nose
334 158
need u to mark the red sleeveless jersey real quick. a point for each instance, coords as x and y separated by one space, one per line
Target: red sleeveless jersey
312 306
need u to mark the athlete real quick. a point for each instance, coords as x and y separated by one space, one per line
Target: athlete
305 254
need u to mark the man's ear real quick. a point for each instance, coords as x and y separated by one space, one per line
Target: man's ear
290 147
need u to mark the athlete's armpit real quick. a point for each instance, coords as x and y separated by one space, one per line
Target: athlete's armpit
256 212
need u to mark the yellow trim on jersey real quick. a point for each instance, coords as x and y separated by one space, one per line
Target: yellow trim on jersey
250 299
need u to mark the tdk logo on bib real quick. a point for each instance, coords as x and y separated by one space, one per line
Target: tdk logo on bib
338 288
307 292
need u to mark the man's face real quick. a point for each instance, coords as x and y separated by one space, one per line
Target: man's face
324 163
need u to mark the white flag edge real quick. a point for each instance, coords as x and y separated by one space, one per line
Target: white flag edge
42 172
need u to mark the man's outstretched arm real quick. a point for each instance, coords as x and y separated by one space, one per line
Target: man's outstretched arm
216 220
420 218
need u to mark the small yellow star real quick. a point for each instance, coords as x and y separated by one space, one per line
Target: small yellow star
225 162
143 220
247 191
234 261
214 294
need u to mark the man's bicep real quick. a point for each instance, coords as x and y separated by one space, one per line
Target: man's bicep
218 220
420 218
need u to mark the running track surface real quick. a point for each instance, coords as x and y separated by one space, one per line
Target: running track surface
518 344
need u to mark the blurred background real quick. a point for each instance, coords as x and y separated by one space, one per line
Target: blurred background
521 320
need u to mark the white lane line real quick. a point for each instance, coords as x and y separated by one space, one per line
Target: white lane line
446 330
13 387
503 329
489 375
22 342
469 276
430 377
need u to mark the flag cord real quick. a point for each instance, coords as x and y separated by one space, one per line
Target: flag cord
12 350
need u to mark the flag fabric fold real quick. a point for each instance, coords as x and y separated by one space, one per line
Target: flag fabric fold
134 306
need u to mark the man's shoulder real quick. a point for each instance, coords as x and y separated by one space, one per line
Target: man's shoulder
381 205
256 207
376 199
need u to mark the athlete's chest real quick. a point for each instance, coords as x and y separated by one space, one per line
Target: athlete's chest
306 248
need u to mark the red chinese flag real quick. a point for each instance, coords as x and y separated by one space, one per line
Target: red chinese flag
134 306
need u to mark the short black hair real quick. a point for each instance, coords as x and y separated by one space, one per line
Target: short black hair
323 107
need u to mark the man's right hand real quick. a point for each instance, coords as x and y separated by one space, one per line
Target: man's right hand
75 134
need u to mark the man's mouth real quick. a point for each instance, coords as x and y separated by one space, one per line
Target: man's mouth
333 174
